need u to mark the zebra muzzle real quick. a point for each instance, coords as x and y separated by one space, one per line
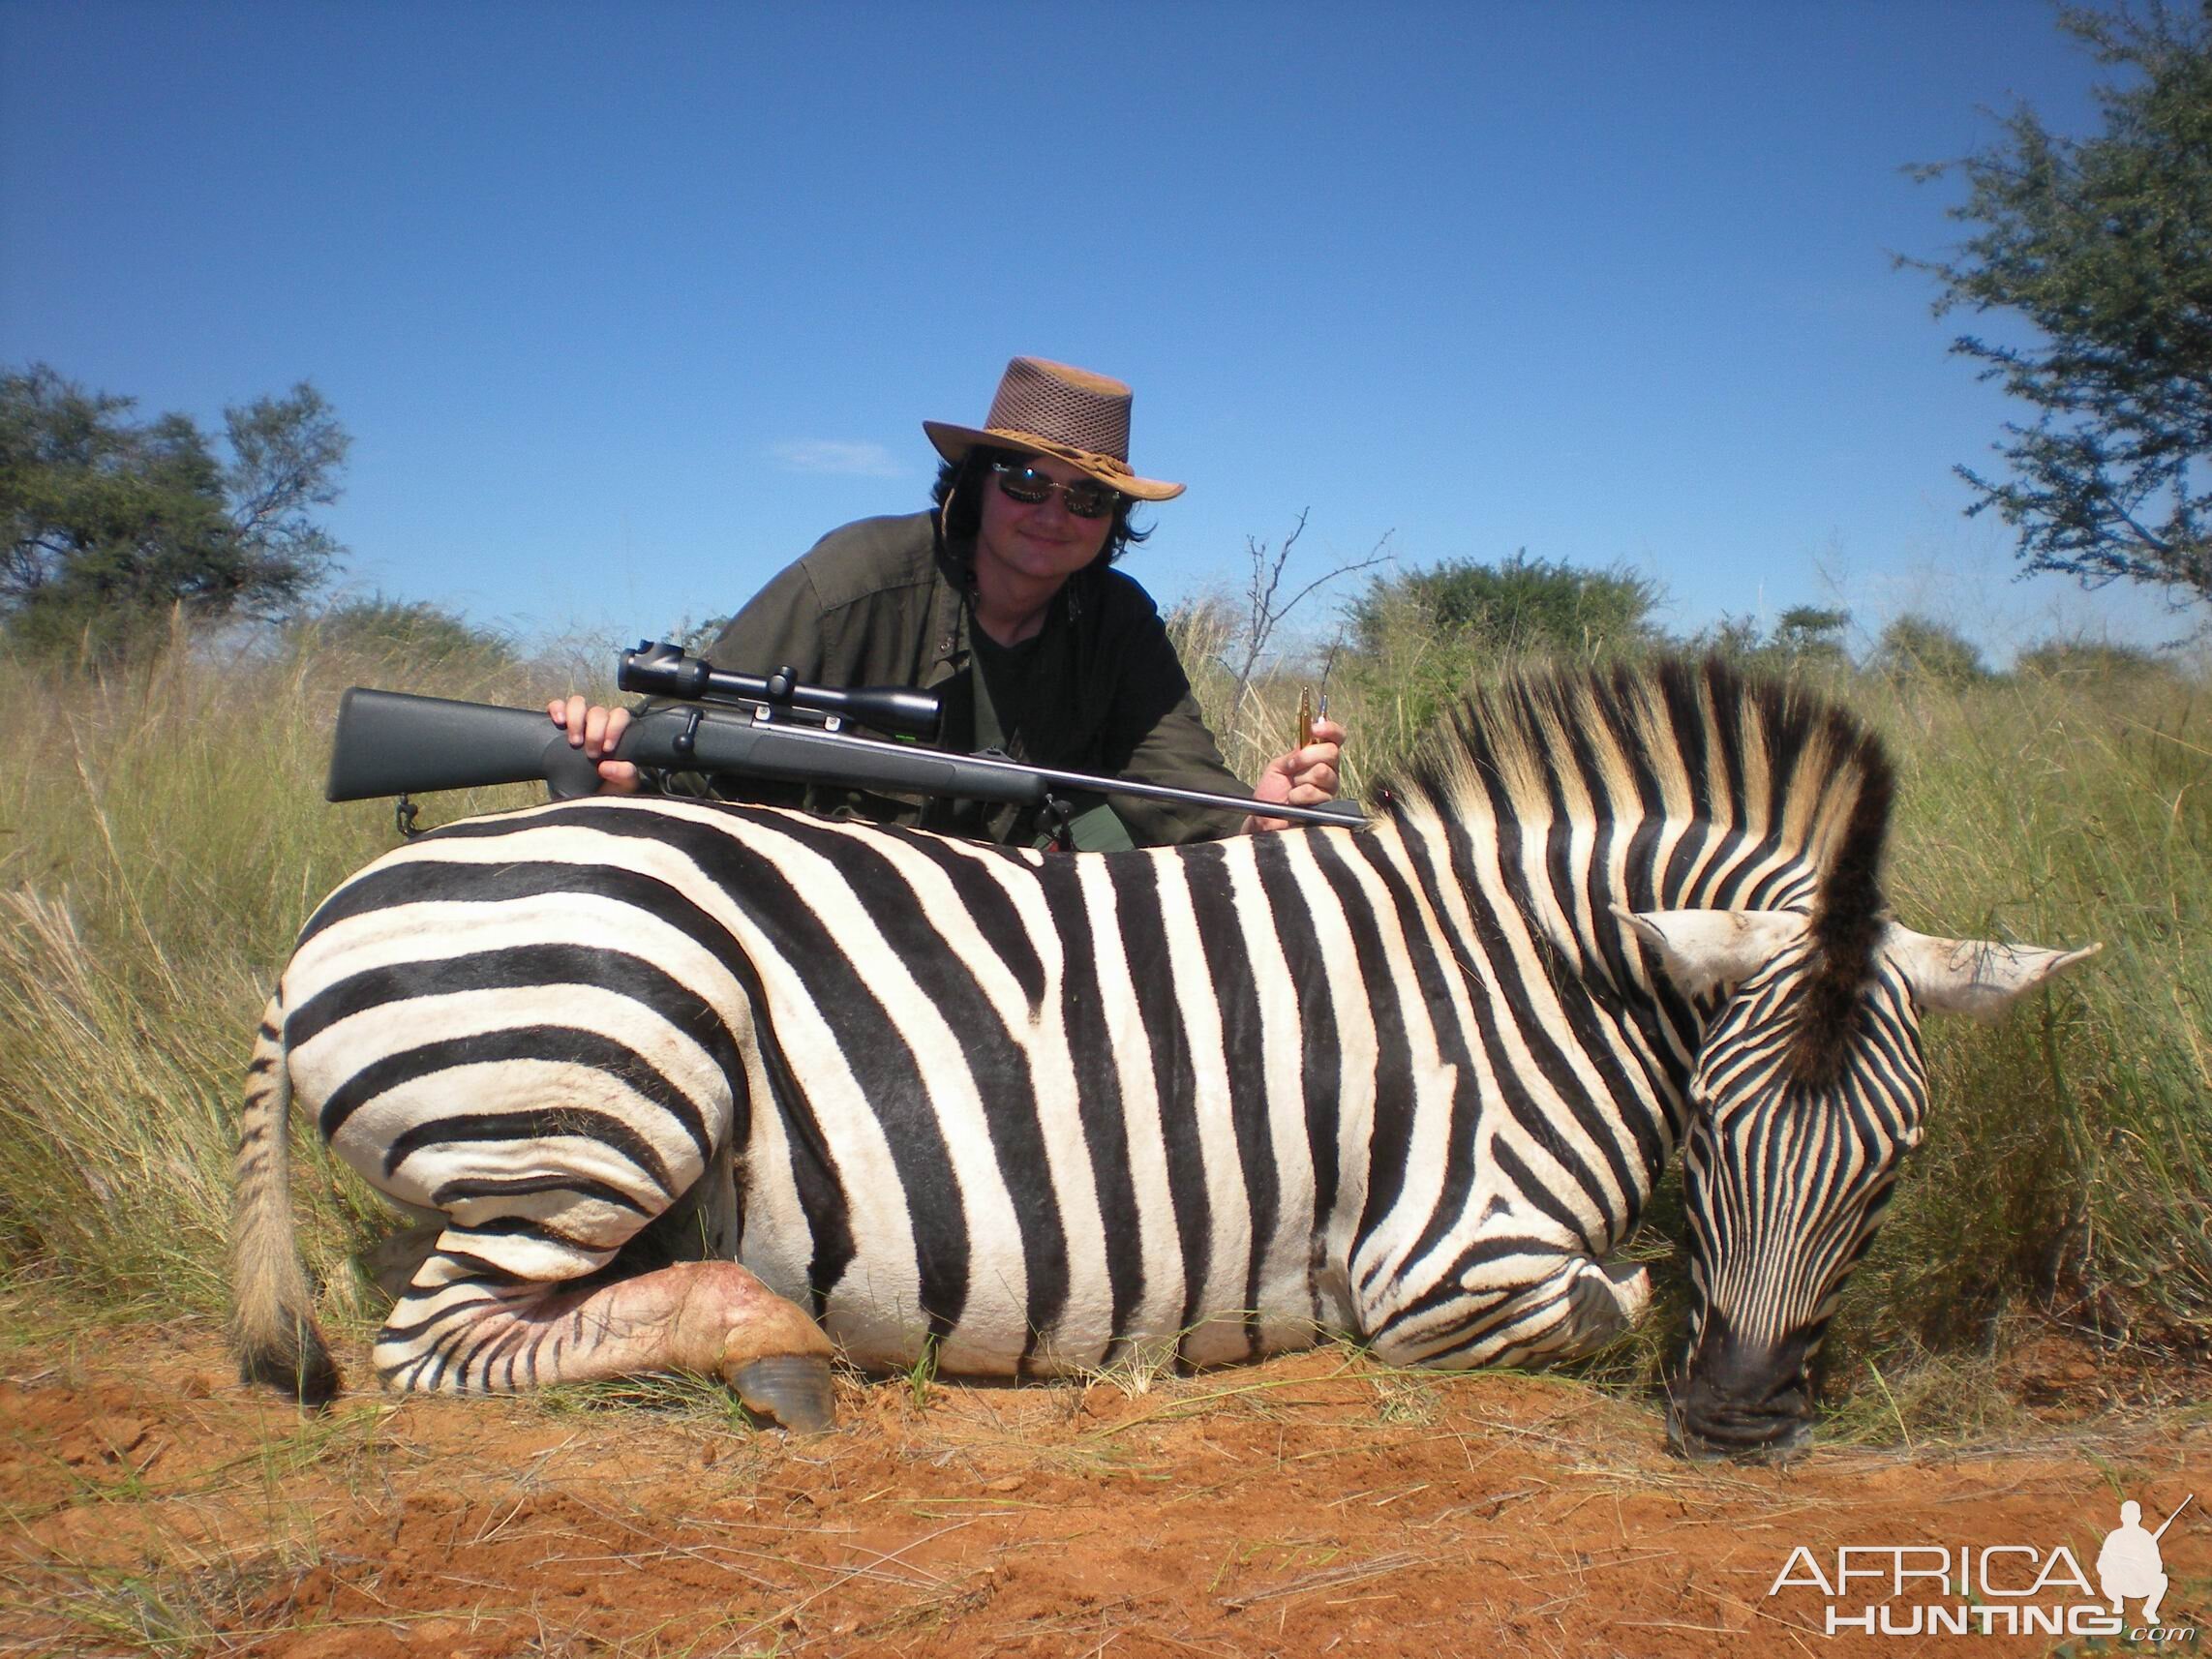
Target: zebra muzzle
1740 1398
1711 1434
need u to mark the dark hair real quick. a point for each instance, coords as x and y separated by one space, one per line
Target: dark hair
964 481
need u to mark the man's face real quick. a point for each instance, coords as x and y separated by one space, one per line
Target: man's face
1037 545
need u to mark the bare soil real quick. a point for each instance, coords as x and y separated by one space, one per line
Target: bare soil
1310 1506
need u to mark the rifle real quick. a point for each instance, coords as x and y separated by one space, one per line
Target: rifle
2171 1519
394 743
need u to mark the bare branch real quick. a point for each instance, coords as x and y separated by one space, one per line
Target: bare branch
1265 615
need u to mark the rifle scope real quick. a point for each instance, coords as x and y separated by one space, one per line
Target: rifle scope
663 670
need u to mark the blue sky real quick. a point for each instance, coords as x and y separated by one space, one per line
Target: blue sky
625 305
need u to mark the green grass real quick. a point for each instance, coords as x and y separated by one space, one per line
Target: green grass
2069 1154
162 835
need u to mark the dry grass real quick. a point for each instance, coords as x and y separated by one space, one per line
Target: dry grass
161 837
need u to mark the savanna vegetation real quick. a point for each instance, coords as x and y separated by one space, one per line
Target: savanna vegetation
163 834
172 664
113 521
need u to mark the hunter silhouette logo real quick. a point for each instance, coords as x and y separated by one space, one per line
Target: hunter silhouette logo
1993 1589
2130 1565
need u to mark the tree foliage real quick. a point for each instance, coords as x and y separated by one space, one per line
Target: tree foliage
111 521
1802 636
414 635
1418 640
2103 248
1810 633
2093 662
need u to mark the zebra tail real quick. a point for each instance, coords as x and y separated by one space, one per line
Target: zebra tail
272 1309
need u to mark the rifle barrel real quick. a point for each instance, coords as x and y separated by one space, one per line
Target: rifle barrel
2171 1519
1338 814
697 739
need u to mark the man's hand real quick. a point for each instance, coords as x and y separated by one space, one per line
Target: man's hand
595 730
1303 777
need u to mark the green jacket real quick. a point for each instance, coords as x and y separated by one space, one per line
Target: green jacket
1099 689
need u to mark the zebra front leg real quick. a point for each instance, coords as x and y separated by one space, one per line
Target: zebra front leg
1568 1313
1609 1301
1572 1314
466 1326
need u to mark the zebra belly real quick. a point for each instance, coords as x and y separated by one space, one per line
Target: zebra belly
891 1334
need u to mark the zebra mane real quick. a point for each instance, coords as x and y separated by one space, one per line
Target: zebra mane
1749 754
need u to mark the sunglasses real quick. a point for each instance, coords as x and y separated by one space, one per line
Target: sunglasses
1086 497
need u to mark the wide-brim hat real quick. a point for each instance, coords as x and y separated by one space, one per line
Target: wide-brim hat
1070 414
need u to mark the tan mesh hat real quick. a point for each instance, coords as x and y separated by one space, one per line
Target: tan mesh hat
1072 415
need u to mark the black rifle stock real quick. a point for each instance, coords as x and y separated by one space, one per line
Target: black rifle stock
394 743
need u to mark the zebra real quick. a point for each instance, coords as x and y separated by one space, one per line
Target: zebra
735 1090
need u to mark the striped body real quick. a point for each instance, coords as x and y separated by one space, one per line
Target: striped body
1049 1111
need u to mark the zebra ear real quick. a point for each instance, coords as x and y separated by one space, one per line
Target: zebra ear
1700 949
1974 977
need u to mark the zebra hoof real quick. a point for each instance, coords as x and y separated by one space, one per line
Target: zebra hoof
792 1389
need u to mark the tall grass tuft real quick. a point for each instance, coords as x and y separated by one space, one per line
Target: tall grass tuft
163 834
2069 1155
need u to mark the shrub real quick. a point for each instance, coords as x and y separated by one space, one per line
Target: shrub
1419 640
417 637
1916 647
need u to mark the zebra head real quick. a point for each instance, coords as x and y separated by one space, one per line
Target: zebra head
1795 1136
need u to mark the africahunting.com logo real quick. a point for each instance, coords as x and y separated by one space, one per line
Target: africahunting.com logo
2000 1590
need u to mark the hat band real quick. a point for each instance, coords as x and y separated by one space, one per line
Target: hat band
1090 460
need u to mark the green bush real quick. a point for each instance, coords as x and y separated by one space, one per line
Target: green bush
1917 647
1805 639
1521 605
413 638
1419 639
2089 661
